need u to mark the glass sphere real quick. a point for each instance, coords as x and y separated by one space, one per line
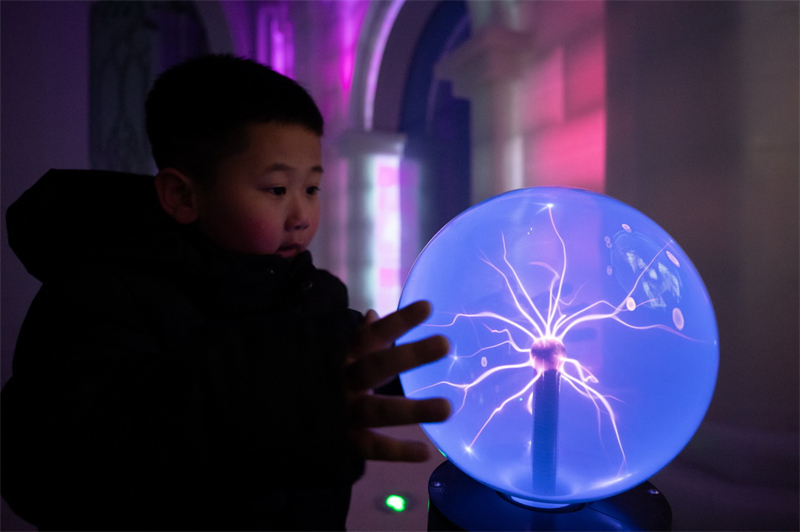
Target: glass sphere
584 344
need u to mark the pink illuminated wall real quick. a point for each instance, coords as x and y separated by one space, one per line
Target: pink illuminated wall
535 75
571 154
565 85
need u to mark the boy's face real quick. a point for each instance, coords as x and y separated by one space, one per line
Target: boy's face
265 200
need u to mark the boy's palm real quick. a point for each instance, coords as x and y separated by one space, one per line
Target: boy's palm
374 360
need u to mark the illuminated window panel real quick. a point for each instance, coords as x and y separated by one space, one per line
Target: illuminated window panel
386 247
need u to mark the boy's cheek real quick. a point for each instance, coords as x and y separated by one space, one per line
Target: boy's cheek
254 236
243 234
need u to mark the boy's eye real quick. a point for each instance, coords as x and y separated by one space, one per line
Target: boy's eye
277 191
312 191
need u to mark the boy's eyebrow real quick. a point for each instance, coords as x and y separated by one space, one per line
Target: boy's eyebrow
281 167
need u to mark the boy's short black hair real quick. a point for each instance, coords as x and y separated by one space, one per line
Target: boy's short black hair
197 111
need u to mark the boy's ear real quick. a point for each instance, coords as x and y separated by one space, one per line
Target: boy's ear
177 195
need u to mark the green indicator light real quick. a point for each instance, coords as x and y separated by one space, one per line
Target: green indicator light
395 502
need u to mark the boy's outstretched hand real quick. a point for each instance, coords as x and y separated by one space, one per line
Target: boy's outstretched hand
372 361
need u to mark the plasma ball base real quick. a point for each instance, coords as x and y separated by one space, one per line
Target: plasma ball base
458 502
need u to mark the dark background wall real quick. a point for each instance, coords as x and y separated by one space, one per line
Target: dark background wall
44 105
44 101
703 137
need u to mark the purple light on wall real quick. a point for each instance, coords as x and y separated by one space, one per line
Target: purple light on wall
349 30
351 16
346 67
275 39
237 14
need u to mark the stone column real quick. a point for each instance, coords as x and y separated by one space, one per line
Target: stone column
486 70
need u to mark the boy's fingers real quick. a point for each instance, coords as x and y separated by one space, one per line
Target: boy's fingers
371 411
371 317
371 371
382 333
375 446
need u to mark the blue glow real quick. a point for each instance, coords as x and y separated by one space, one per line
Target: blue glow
585 348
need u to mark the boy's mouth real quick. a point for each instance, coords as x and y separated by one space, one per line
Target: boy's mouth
289 250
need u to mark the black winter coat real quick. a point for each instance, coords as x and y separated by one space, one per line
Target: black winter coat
161 383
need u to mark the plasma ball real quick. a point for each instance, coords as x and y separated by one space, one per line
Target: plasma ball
573 337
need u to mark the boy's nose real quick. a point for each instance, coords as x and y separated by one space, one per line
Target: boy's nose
298 218
297 224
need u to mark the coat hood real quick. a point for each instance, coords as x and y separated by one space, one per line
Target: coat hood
72 216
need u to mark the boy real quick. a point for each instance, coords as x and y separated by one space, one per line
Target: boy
184 365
